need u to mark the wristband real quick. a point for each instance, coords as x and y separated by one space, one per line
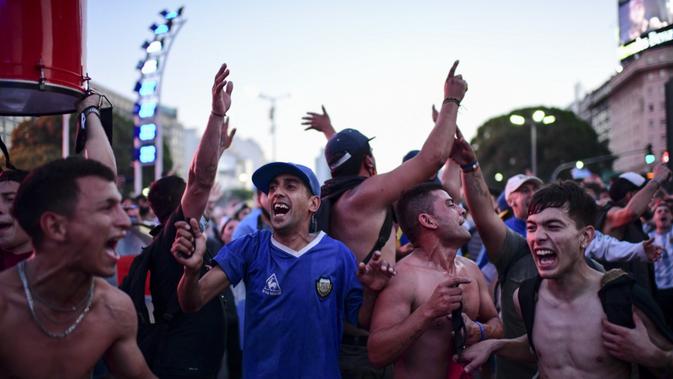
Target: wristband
482 331
451 100
91 109
470 167
217 114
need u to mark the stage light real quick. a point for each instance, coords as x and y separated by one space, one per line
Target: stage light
538 115
147 154
147 110
161 28
150 66
153 47
147 132
146 87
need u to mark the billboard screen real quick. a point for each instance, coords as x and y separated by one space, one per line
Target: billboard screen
638 17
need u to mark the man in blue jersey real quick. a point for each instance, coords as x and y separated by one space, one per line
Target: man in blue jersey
300 286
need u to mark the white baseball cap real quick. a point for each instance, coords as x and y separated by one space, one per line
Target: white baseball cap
516 181
635 179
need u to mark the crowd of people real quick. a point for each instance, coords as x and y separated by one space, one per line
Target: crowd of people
420 272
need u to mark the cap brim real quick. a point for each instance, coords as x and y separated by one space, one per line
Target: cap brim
265 174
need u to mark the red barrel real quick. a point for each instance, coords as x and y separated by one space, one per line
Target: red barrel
42 57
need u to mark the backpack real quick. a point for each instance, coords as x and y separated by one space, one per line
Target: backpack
618 293
151 336
331 192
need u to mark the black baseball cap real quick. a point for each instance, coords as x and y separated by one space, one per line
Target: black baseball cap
345 150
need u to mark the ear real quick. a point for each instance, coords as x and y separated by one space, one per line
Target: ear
509 201
54 226
586 236
370 166
427 221
314 204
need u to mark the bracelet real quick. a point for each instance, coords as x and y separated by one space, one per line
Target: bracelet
91 109
482 331
451 100
217 114
470 167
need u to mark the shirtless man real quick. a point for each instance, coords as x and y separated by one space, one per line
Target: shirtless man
59 315
15 244
359 213
411 325
568 325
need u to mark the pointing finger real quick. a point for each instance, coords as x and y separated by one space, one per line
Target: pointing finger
453 69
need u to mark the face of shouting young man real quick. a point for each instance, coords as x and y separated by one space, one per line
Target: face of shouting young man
556 242
291 203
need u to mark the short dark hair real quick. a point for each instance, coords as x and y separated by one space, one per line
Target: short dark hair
53 187
413 202
581 206
13 175
620 188
165 195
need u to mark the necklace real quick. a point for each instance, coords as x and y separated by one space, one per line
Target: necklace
21 267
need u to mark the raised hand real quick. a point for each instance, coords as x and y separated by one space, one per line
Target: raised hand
376 273
461 151
319 122
652 251
446 297
661 174
226 137
91 100
222 95
189 245
454 86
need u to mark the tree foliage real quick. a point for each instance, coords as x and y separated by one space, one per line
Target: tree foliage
39 140
505 148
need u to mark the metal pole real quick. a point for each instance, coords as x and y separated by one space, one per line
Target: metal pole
137 177
272 117
533 147
65 143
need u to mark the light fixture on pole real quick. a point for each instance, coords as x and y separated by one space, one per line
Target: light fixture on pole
538 117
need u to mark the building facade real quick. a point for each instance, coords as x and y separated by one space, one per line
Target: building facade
629 110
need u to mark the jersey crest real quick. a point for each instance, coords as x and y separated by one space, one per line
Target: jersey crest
272 287
323 286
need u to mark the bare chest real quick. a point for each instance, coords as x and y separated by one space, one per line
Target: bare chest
29 352
568 340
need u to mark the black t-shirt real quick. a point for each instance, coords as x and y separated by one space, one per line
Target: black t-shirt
195 341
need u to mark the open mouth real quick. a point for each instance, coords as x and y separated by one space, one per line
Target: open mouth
110 247
5 225
546 258
280 208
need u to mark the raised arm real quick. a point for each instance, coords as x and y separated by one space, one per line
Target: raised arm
491 228
374 276
382 190
188 249
394 328
618 217
610 249
97 146
319 122
214 141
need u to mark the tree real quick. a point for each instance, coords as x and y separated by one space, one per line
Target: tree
38 141
505 148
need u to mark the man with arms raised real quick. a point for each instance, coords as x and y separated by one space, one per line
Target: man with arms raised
299 285
359 214
411 325
559 228
57 316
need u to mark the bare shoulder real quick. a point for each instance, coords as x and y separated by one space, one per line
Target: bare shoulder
115 303
10 284
407 276
469 266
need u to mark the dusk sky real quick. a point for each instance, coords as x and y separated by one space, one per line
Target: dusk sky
376 66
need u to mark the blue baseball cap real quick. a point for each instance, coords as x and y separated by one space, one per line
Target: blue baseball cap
265 174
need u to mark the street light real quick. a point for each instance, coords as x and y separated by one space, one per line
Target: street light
538 116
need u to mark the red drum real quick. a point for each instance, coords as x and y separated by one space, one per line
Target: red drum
42 62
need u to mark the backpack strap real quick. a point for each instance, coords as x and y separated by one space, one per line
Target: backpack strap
384 235
527 296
